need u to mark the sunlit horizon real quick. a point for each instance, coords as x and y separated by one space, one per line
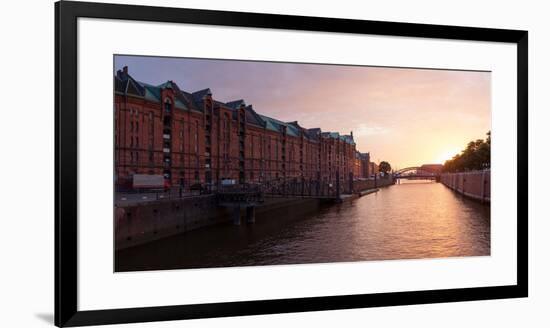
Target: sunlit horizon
404 116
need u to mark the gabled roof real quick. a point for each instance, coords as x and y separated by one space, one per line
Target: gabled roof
278 126
271 124
335 135
183 99
152 92
235 104
125 84
198 97
252 117
292 130
348 139
313 133
167 85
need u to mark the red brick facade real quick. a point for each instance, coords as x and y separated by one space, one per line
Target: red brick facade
192 138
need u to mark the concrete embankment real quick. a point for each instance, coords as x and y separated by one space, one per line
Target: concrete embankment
473 184
144 222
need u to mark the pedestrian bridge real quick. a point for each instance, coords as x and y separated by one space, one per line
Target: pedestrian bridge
417 172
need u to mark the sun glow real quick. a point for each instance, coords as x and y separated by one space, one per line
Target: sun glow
446 155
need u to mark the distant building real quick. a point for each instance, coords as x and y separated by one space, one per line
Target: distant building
362 167
373 168
190 137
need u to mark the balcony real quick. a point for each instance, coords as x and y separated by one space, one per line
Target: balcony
166 150
166 136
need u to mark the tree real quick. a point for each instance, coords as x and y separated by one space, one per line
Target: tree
476 156
384 167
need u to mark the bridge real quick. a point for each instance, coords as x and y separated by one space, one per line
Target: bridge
424 172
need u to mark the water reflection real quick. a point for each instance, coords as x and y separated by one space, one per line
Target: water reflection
406 221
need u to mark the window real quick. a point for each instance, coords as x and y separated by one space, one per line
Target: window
167 105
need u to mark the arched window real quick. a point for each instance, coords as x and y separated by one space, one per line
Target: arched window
167 105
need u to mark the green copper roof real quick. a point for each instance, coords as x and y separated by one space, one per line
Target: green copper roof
292 130
270 123
180 104
151 92
276 125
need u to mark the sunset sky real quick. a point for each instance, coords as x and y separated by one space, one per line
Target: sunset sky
407 117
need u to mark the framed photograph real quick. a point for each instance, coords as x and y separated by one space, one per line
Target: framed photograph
214 163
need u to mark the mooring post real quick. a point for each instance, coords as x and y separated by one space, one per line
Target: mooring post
237 215
250 214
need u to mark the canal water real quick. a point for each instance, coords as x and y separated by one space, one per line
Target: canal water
414 219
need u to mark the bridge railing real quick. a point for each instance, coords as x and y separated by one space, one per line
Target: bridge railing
300 187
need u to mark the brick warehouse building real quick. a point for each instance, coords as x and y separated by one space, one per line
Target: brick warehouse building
192 138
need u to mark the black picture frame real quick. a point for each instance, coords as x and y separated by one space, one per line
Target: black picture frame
66 14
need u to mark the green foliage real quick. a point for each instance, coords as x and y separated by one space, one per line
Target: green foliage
476 156
384 167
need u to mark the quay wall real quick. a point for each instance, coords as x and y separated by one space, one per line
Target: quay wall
473 184
362 185
140 223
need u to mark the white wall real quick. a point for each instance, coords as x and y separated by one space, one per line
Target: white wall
26 131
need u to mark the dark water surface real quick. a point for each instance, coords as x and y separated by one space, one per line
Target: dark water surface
405 221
